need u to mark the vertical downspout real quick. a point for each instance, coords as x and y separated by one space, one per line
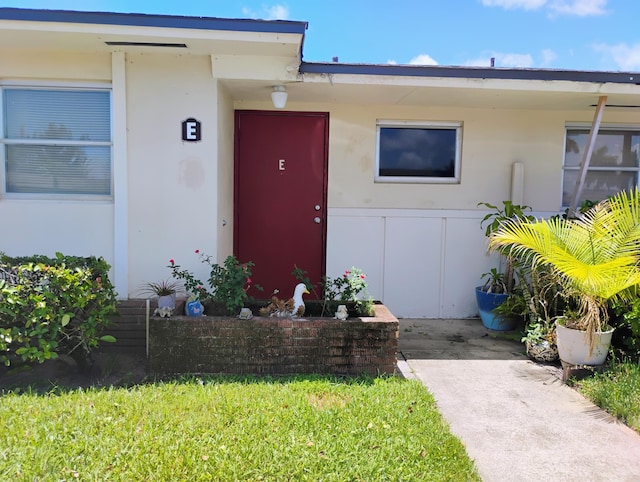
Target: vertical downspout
517 183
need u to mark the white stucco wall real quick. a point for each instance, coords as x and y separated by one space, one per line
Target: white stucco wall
173 205
421 245
42 226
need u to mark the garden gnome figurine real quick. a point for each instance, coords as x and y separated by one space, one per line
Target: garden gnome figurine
342 313
163 312
245 314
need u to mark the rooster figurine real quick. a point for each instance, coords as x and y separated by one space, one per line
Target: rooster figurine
293 307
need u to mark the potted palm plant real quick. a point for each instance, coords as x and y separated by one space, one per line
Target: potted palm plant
498 285
595 259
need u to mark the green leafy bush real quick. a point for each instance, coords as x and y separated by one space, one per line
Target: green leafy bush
626 337
52 306
227 284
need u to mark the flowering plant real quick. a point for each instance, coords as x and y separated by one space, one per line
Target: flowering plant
351 287
345 287
227 284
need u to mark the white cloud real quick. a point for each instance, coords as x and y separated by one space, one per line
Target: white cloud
392 62
625 56
276 12
511 4
514 60
548 56
580 8
479 62
503 60
423 59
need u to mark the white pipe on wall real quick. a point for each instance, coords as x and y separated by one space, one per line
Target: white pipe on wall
517 183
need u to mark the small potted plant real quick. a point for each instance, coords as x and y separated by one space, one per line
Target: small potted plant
540 342
541 301
499 285
164 290
491 295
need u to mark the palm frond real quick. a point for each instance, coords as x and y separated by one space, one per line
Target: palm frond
596 256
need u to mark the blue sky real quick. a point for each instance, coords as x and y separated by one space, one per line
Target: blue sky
558 34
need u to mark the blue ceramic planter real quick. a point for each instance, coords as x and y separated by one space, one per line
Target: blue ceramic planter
493 321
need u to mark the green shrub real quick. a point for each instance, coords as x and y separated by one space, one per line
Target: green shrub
228 284
52 306
626 337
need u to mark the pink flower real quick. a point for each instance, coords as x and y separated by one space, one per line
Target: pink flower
171 261
199 287
197 251
362 276
248 280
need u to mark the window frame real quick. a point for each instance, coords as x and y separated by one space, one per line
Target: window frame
413 124
4 141
603 127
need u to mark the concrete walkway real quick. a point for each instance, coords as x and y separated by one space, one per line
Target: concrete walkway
517 419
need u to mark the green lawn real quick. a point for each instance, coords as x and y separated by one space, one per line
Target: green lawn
225 429
617 391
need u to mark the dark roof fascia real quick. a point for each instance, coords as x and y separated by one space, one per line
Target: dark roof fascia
470 72
148 20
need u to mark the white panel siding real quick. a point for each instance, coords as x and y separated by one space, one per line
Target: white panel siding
465 260
357 241
412 267
420 263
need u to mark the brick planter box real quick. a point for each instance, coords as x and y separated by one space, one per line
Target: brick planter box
274 346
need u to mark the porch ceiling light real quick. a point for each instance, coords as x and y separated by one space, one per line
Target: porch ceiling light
279 96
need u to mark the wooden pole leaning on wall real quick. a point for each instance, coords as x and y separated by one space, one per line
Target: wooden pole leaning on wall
586 158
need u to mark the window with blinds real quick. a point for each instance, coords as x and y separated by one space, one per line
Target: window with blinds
614 166
56 142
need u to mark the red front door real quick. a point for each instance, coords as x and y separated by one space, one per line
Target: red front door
280 196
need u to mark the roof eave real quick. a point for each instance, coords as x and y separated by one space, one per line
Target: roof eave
438 71
148 20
